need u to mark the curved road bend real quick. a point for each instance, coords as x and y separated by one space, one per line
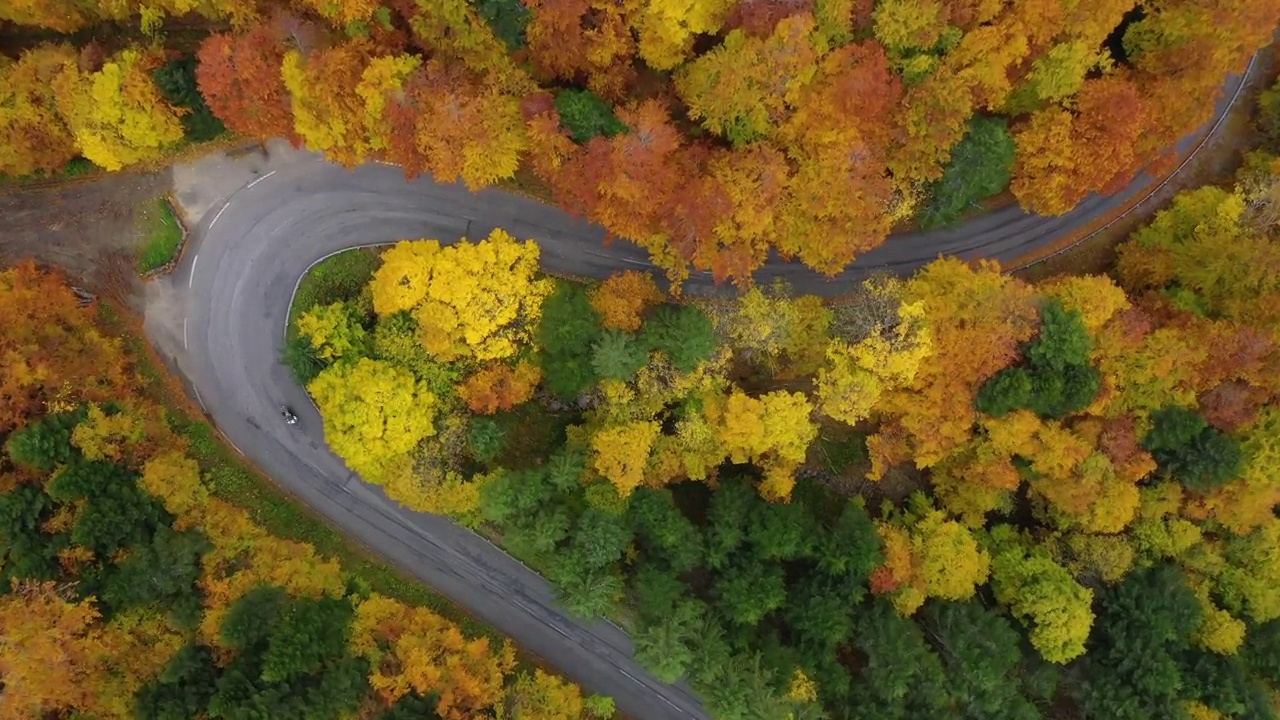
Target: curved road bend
236 282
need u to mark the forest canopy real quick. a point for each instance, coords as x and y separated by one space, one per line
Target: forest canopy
129 590
956 495
710 133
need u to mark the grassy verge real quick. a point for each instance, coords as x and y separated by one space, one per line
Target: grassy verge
161 236
341 277
344 276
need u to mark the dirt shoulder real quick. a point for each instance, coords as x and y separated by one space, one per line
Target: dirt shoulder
1215 163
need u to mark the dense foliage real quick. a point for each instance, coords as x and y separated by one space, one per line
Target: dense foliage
127 590
960 495
710 133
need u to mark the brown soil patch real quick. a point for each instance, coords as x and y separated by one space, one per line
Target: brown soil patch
88 228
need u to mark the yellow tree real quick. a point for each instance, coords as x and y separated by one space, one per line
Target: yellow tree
117 114
745 87
100 436
49 647
32 135
244 557
1041 593
1247 585
542 696
453 30
344 13
857 374
175 479
329 113
1249 502
1096 297
932 557
666 28
472 300
774 431
374 412
64 16
412 649
333 330
383 80
620 453
138 644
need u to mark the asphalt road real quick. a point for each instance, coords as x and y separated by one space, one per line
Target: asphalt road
235 283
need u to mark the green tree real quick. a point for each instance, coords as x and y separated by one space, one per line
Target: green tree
162 572
485 438
683 333
26 552
45 444
567 332
668 645
507 19
1199 455
782 531
114 513
981 652
599 539
1010 389
901 677
1268 118
588 594
663 530
981 166
176 81
182 690
1057 380
1261 652
820 611
1132 669
298 355
850 549
586 115
728 517
749 589
1064 339
291 662
657 589
618 356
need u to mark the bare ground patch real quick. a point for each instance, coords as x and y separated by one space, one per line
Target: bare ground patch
88 228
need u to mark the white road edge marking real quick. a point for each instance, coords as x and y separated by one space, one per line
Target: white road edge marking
184 333
192 278
200 399
215 217
264 177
